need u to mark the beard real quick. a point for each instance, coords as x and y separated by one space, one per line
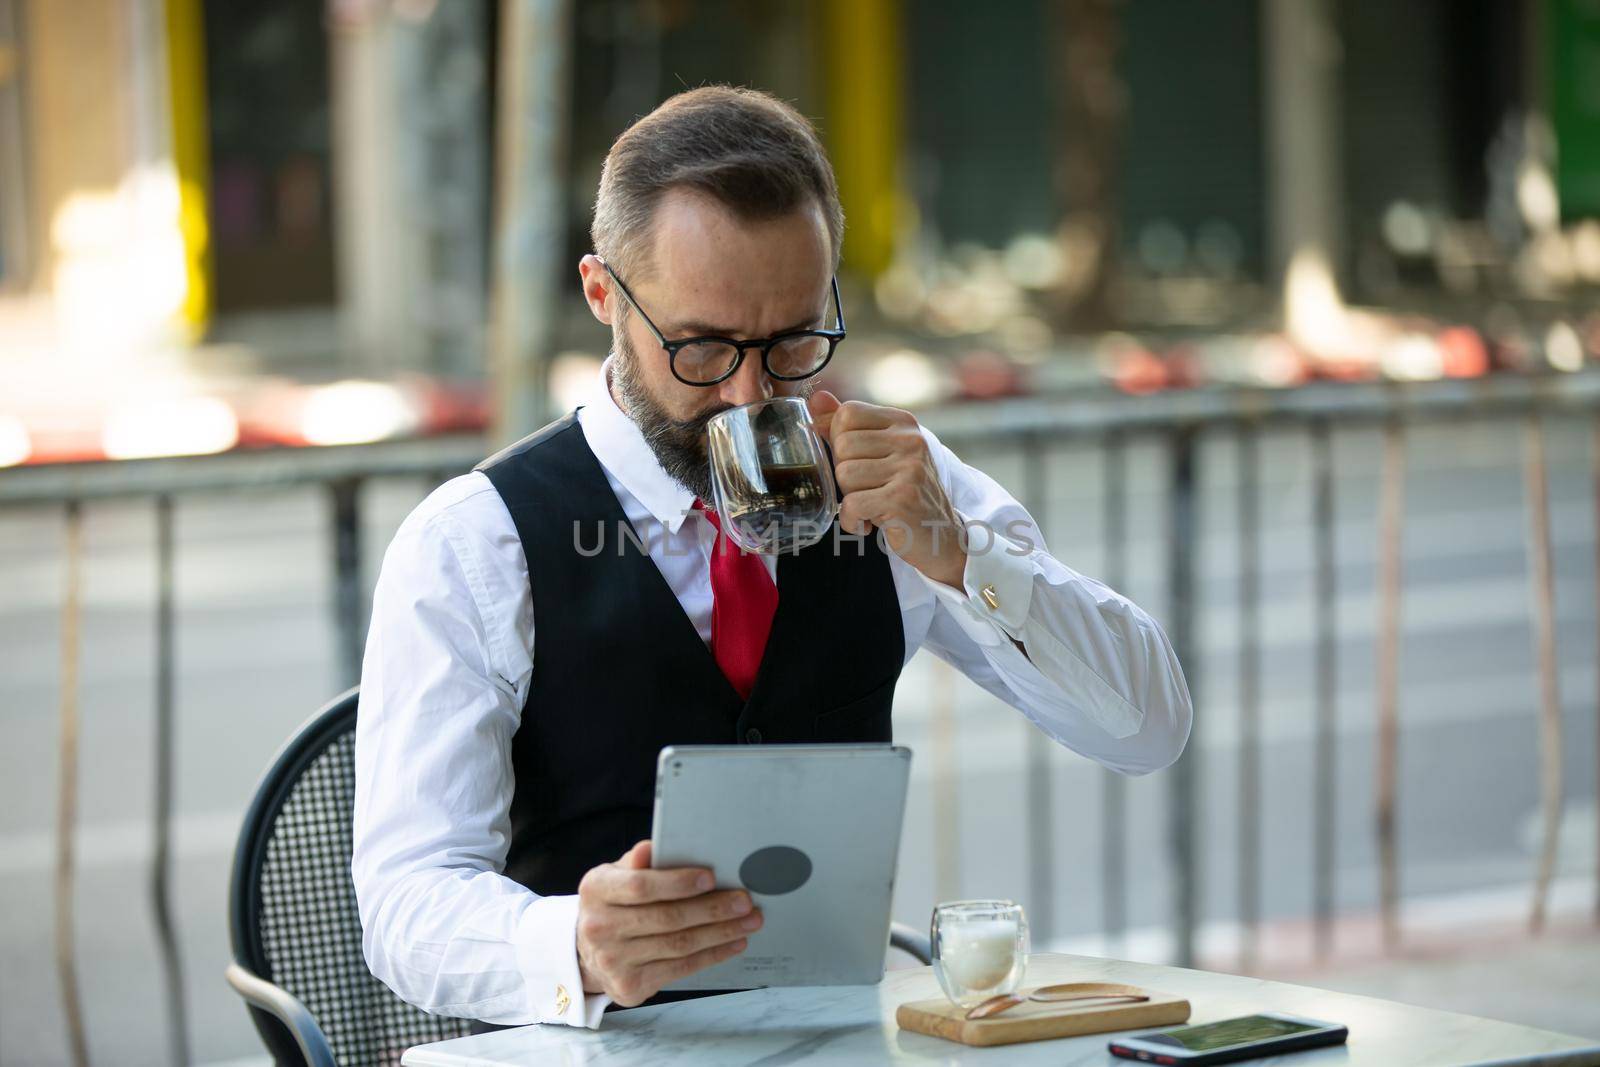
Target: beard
679 444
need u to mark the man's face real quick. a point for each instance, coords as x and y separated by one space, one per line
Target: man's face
709 272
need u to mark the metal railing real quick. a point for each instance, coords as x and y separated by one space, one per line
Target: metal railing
1180 423
340 473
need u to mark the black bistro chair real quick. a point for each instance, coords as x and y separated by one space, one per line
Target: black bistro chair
297 958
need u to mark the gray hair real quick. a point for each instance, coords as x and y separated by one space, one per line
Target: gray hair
746 149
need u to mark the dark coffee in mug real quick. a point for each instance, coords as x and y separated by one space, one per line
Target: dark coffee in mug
790 494
772 476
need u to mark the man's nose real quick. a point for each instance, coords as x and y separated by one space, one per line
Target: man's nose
750 382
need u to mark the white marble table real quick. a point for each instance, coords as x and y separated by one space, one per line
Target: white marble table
855 1024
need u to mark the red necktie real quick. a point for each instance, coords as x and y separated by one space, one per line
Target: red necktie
743 600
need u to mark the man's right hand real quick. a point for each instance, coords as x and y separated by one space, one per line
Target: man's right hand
640 929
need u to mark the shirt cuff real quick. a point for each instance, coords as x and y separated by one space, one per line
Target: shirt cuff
547 955
997 587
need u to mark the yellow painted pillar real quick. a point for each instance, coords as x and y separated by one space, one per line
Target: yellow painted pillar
863 51
186 74
74 66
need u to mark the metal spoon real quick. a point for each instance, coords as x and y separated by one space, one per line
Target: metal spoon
1048 995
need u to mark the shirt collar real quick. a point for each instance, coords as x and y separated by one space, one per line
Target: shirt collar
622 450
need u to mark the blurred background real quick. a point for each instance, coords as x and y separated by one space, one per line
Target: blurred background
1283 316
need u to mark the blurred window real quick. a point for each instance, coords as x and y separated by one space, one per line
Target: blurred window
1426 91
1575 104
630 56
13 157
1402 111
267 99
987 115
1193 182
982 96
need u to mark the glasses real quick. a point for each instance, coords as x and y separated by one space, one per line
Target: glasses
788 357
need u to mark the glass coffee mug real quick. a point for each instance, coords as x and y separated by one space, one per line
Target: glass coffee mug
980 949
772 475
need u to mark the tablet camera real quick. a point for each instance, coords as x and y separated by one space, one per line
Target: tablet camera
775 869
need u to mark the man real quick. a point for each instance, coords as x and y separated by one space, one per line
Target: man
518 686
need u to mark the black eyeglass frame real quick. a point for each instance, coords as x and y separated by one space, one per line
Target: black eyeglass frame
766 344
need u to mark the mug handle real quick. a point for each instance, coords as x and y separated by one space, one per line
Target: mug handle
829 480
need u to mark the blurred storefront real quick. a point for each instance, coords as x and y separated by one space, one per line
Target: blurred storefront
197 193
304 187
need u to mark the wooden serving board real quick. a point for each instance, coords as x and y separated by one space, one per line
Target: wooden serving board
1040 1021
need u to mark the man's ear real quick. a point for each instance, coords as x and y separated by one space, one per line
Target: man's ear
598 291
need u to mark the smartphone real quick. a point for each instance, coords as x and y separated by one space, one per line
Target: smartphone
1244 1038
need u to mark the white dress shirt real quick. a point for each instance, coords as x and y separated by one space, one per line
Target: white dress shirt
449 660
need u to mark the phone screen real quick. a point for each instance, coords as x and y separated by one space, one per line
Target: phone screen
1234 1032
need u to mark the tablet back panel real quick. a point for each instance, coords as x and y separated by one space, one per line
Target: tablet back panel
812 831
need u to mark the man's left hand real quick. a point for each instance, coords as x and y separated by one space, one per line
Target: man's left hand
887 479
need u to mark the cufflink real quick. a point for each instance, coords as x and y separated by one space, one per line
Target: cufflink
990 597
562 1000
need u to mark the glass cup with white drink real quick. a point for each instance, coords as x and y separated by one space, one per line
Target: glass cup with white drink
980 949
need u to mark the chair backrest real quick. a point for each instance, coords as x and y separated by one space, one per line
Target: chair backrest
293 904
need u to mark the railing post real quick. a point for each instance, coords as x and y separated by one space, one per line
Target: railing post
531 150
946 785
347 606
161 809
1323 755
1249 521
1184 792
67 795
1040 799
1114 793
1390 554
1541 578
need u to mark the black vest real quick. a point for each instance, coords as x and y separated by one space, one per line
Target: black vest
619 671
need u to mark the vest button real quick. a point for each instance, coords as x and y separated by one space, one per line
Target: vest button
753 736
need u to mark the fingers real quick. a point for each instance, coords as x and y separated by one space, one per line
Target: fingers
655 975
856 474
822 404
676 944
639 928
833 417
648 919
859 415
851 441
862 444
632 969
859 511
850 519
617 884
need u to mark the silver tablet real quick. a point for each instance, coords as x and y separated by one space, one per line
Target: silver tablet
812 831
